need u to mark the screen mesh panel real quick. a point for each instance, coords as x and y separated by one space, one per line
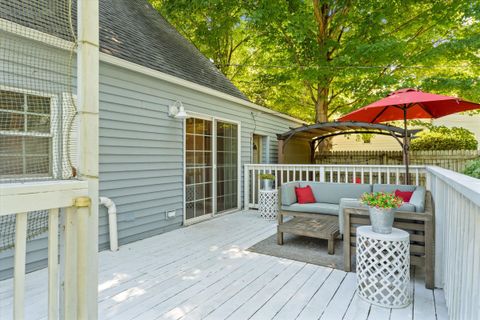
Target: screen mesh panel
37 104
37 108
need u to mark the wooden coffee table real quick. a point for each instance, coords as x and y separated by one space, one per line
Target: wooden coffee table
322 227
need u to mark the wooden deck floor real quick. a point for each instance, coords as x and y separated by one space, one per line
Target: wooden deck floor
203 272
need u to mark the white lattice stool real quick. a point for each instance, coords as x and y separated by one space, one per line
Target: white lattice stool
268 204
383 267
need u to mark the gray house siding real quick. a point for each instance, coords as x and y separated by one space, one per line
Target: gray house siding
141 148
141 152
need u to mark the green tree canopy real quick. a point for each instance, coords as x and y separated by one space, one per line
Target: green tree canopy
318 59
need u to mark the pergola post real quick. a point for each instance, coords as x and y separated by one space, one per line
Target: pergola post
281 157
312 152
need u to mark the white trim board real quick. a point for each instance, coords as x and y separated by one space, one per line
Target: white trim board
35 35
45 38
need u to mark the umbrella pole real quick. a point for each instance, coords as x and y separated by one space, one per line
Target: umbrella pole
405 145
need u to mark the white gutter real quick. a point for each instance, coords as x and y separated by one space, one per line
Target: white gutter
112 222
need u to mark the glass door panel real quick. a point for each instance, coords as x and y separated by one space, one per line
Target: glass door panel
199 166
227 166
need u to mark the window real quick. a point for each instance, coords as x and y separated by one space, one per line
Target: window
25 135
227 166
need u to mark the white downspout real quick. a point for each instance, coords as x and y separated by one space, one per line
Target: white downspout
112 221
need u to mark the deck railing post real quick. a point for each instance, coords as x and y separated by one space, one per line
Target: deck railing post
82 205
19 266
246 187
53 264
69 309
322 174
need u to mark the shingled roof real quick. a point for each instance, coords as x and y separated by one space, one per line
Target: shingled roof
134 31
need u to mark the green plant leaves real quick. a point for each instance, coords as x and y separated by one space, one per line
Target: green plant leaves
285 57
444 138
473 169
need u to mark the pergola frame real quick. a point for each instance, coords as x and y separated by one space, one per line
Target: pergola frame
318 132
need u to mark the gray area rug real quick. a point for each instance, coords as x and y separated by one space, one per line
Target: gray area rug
300 248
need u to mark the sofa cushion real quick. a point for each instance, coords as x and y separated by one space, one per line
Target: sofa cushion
325 208
325 192
418 199
288 193
405 195
304 195
406 206
390 188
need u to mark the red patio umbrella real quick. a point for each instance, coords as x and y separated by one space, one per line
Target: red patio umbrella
406 104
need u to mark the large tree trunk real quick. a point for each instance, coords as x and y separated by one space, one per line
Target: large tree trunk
321 11
323 16
321 115
321 105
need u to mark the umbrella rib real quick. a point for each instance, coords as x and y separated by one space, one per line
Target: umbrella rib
425 109
379 114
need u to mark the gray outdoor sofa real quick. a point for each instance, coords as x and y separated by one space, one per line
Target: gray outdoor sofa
417 217
333 197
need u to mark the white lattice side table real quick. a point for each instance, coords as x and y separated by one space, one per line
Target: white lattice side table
383 267
268 204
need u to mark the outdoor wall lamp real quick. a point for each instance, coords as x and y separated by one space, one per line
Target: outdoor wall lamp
177 111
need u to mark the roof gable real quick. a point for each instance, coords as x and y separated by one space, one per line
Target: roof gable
131 30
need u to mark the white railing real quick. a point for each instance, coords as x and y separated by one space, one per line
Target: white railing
21 198
457 240
326 173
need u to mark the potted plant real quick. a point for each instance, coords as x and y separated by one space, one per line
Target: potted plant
267 181
381 207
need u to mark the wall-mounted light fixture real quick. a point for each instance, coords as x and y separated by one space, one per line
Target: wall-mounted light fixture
177 111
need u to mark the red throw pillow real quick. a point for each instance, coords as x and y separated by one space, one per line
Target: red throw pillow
405 195
304 195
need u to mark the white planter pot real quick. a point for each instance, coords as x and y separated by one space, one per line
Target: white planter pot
381 219
267 184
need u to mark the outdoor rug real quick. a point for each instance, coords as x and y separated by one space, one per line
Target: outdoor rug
300 248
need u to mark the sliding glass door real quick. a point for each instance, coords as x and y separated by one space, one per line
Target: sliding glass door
211 167
227 166
199 168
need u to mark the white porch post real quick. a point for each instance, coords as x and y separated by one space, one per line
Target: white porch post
88 108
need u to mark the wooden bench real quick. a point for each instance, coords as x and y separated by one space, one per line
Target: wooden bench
419 225
321 227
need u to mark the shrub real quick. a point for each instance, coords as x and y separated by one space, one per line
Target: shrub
443 138
473 168
267 176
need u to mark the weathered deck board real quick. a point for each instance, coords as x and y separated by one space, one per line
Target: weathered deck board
204 272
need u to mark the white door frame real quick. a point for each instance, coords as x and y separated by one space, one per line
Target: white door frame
214 120
264 144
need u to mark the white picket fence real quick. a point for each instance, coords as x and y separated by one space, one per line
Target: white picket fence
326 173
19 199
457 240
